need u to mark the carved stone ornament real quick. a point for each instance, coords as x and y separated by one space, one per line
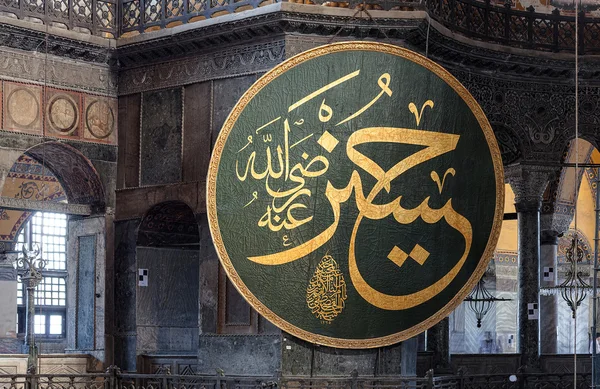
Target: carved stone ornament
70 74
529 183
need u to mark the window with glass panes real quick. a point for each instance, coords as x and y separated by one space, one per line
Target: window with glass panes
48 232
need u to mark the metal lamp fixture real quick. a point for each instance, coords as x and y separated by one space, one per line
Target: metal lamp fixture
573 289
481 300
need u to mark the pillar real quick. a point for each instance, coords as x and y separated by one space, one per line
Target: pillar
438 341
9 344
529 183
548 304
408 363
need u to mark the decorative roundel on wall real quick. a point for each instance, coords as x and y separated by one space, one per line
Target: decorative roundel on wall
63 114
355 194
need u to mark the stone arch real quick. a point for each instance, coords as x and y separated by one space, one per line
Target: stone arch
168 223
75 172
559 199
28 180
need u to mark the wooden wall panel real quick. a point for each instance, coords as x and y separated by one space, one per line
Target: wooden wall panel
226 93
161 137
129 141
196 131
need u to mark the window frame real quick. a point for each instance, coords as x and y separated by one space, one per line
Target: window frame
47 311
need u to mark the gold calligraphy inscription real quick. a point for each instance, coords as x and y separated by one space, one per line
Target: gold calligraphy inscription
287 205
326 292
436 144
436 178
418 115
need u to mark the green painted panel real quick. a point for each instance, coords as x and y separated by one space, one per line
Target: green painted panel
355 194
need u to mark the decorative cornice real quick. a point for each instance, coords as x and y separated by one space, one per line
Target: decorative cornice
274 21
78 46
227 63
34 67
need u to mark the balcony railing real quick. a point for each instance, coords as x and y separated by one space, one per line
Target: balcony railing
477 19
114 379
526 29
148 15
97 17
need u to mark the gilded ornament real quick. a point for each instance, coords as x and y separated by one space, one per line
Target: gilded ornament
326 292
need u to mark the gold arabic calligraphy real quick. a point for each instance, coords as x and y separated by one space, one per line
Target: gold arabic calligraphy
326 292
287 205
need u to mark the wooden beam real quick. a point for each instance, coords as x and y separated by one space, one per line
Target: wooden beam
45 206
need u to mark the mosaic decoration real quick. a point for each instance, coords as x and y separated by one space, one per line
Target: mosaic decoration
584 248
27 179
327 188
80 180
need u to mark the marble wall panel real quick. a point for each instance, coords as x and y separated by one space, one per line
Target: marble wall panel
209 280
239 354
226 93
86 285
22 108
489 364
175 340
125 293
128 173
170 299
161 137
197 131
304 359
58 113
86 277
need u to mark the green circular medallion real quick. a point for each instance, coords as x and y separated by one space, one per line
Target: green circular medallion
355 194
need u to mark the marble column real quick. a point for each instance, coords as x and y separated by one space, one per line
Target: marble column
9 344
438 341
408 363
548 304
529 183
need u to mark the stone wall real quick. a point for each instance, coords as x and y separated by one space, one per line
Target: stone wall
65 109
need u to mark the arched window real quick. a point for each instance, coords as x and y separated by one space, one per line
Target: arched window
48 232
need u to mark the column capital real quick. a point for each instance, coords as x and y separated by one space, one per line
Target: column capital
549 237
554 224
529 183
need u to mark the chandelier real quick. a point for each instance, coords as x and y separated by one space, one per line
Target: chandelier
480 300
573 289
